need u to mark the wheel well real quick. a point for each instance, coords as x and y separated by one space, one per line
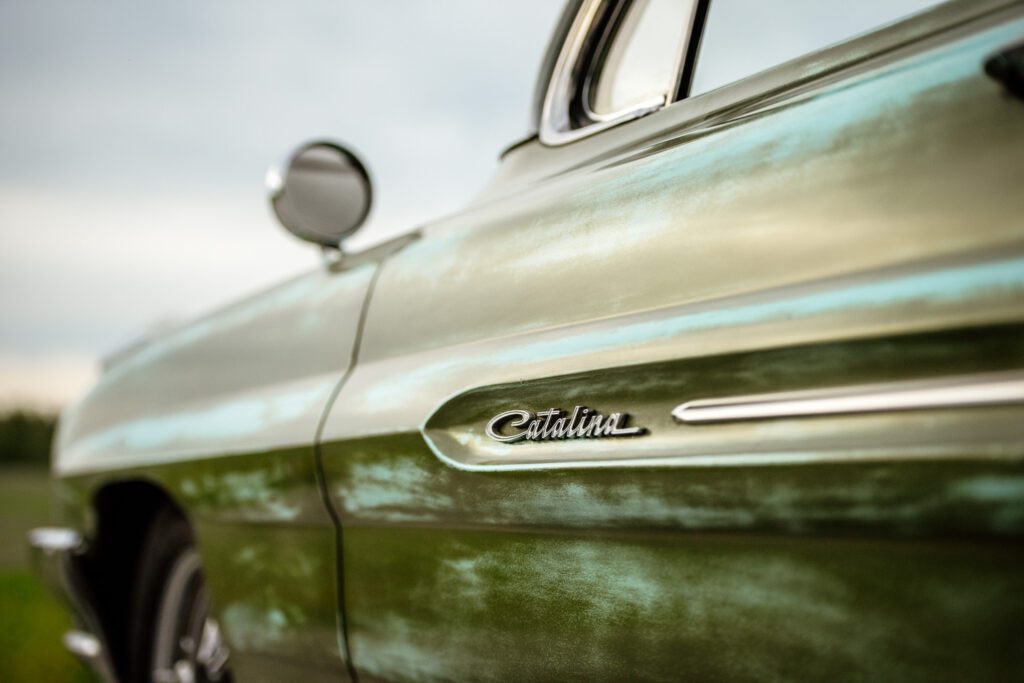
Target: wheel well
124 512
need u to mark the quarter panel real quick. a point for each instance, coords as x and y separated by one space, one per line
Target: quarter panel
268 550
222 415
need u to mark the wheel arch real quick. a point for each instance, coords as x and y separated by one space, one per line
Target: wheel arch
124 511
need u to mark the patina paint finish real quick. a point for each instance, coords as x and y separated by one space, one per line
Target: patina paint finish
858 229
539 605
393 481
267 545
856 546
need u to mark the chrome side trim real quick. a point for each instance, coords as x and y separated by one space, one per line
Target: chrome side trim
52 540
90 651
966 391
83 645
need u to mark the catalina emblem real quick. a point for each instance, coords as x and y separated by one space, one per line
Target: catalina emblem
555 424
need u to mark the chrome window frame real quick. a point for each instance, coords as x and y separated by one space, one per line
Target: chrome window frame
579 63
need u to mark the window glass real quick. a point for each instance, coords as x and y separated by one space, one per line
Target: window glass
742 37
642 63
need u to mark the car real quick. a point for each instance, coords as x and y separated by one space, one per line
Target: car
720 377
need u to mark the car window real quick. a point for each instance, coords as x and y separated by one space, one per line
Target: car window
742 38
641 65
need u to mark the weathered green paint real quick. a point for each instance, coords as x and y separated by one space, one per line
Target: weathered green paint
847 567
395 481
267 545
469 604
865 229
222 415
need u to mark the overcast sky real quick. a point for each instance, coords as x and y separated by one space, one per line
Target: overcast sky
134 137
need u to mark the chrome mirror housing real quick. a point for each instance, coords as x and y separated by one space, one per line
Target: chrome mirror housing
321 193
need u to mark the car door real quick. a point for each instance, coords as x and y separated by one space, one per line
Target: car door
844 225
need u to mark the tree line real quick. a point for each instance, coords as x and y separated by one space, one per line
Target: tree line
26 437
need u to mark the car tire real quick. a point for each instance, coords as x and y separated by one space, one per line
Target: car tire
172 637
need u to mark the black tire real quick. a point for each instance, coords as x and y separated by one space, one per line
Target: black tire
171 637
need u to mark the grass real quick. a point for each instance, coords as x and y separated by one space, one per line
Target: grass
31 620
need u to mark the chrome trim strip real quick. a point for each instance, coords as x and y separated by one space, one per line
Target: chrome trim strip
555 126
90 651
966 391
53 540
82 644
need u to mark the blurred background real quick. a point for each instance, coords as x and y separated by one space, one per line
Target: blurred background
134 139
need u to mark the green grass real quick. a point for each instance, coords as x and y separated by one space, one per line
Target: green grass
31 620
24 504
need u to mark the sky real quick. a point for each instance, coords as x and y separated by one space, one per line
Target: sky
135 136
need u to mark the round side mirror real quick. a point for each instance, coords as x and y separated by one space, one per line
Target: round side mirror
321 193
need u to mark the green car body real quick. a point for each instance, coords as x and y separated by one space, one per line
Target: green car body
852 218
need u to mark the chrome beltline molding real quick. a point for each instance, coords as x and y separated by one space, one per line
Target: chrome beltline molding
965 391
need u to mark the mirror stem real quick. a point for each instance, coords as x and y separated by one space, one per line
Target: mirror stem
331 254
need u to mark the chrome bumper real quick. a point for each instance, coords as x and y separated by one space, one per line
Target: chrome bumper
56 555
